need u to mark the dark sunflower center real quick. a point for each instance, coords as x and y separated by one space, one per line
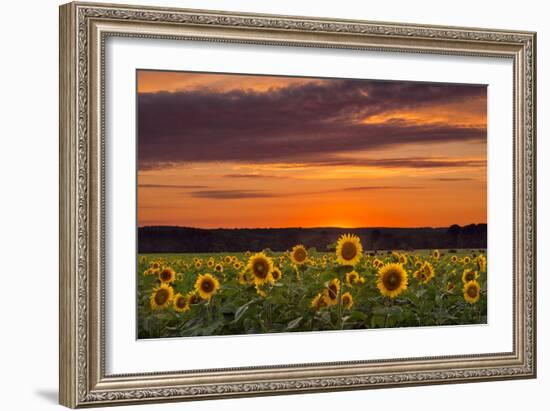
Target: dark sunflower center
472 292
165 275
332 291
346 300
207 285
300 255
261 269
349 251
275 275
180 302
161 296
392 280
470 276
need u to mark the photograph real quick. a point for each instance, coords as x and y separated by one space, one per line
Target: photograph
273 204
264 202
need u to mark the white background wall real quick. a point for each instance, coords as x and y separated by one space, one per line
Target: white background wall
29 192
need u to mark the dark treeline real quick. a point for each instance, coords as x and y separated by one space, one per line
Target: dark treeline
164 239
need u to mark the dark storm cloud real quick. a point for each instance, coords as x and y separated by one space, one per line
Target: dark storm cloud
230 194
240 194
191 187
375 188
296 123
253 176
412 162
454 179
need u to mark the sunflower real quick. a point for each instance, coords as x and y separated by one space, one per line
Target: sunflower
481 262
436 254
206 286
149 271
210 263
155 265
161 296
347 300
450 287
260 292
348 250
403 259
261 267
181 303
426 273
244 279
454 259
196 260
276 274
193 298
198 264
392 280
418 264
377 263
466 260
472 292
333 289
218 268
469 275
227 259
353 277
167 275
298 255
320 301
237 265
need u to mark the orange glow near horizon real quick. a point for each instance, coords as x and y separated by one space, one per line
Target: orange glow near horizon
422 183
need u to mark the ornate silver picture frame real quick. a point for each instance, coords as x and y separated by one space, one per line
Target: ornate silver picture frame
84 30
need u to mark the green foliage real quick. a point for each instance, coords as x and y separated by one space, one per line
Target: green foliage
285 306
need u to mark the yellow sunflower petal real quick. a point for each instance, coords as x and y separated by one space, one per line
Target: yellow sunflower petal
348 250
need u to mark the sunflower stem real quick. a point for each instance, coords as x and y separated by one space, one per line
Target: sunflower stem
388 306
341 272
298 274
340 325
209 310
269 314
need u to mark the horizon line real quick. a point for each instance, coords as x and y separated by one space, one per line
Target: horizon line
303 228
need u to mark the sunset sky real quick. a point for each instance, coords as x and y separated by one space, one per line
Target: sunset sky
220 150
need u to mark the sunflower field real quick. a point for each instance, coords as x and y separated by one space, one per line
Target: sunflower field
183 295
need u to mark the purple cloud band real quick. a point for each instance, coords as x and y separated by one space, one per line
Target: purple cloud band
310 122
240 194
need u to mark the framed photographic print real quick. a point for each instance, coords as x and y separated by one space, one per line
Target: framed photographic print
258 204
